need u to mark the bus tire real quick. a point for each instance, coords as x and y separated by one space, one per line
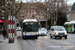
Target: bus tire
22 38
36 37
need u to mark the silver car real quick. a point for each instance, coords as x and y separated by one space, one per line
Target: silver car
58 31
42 32
18 29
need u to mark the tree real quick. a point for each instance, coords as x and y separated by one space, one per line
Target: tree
2 2
61 18
10 7
54 6
49 22
61 21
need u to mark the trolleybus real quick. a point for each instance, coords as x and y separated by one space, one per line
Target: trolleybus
70 26
30 28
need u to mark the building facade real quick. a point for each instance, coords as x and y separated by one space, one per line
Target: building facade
32 11
73 12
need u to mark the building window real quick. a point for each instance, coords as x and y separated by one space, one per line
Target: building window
32 10
23 16
26 10
39 17
36 17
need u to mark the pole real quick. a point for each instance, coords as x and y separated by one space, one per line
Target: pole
13 25
10 28
51 21
46 19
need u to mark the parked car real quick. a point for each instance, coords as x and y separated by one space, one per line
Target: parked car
18 29
58 31
42 32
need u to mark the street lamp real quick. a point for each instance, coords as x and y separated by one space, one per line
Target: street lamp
30 7
57 7
46 16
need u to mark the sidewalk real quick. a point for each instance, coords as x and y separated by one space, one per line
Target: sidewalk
4 45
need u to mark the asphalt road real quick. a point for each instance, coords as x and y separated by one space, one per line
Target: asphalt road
46 43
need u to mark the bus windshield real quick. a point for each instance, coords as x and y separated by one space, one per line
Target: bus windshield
30 27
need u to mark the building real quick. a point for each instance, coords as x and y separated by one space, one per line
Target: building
39 11
33 11
69 13
73 12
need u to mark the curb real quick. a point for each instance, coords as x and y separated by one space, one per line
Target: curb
19 47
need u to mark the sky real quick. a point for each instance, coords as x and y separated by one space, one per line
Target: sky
69 2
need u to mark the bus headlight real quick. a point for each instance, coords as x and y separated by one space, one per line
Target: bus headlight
37 34
24 34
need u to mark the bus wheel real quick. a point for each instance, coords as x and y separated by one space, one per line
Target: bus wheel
22 38
35 37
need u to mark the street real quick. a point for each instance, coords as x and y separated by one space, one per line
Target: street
46 43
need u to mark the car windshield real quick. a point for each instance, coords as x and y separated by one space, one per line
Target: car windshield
18 28
40 30
43 28
59 29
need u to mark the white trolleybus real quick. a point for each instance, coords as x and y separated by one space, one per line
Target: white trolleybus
70 26
30 28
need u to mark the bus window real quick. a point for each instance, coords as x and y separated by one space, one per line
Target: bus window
30 27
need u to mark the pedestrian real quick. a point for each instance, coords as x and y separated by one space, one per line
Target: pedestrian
4 33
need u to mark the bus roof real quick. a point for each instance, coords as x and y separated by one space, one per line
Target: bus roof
66 22
56 26
71 22
30 20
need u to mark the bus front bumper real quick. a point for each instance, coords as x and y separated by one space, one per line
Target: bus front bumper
30 36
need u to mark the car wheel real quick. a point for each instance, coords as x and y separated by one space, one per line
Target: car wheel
45 35
60 37
51 37
65 37
55 37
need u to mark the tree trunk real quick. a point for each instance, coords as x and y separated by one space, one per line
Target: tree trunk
6 26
